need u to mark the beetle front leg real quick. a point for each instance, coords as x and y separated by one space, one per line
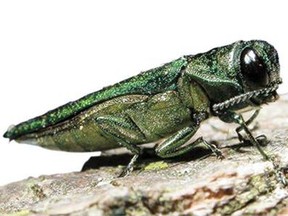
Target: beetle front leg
238 119
124 131
173 145
262 139
248 122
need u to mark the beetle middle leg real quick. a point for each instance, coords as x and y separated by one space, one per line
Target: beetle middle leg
124 131
173 145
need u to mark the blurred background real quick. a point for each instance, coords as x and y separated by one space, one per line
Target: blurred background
52 52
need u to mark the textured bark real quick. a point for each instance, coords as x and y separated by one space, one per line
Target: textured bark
196 184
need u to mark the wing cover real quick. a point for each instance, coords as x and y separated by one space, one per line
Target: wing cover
149 82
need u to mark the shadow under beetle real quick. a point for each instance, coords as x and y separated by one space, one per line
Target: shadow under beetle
168 102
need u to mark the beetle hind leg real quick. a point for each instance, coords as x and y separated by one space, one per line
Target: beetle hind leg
123 130
175 144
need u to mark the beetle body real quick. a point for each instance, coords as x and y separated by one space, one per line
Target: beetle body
166 103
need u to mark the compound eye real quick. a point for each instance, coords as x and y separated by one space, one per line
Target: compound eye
253 68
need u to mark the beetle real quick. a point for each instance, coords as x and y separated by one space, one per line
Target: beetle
168 102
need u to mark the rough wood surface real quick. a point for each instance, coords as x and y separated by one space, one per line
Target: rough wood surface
241 184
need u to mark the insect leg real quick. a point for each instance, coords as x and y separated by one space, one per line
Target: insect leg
125 133
173 145
262 139
237 118
254 116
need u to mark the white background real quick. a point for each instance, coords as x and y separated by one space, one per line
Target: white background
52 52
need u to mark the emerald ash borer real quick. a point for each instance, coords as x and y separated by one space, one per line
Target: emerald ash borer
167 103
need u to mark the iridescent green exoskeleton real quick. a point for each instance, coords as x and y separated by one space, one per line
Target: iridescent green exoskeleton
166 103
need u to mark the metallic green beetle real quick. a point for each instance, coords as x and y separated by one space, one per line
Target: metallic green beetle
168 102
